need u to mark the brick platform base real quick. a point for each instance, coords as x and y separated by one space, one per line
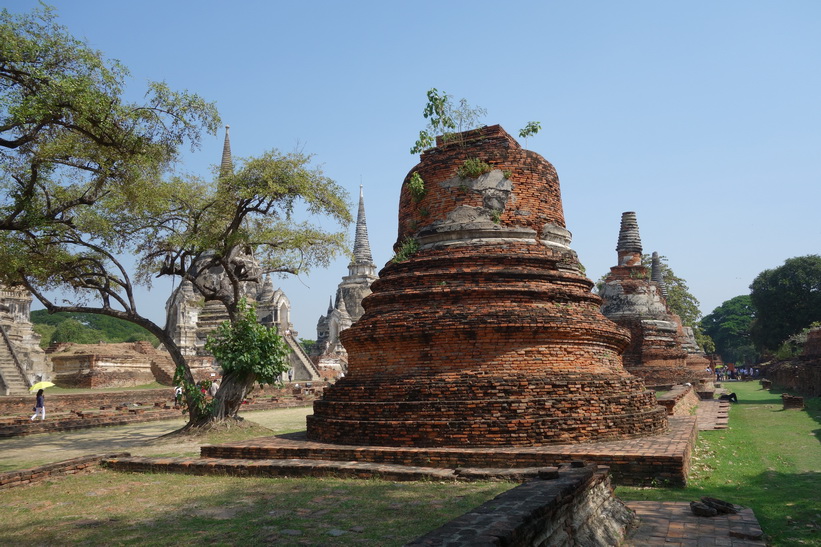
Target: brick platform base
661 459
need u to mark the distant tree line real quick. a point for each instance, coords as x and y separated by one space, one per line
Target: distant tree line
783 303
86 328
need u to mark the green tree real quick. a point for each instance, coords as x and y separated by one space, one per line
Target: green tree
72 330
243 226
86 184
248 353
81 168
447 119
99 327
729 327
786 299
529 130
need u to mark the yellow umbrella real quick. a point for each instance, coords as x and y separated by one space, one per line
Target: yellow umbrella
40 385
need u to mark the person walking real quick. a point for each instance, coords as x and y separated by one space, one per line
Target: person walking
40 406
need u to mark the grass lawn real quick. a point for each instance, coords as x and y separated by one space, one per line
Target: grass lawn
769 460
108 508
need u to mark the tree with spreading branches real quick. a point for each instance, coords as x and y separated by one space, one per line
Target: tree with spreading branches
88 211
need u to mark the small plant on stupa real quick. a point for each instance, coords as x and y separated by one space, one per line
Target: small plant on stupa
529 130
416 185
472 168
446 119
408 248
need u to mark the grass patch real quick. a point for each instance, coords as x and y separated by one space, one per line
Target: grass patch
108 508
769 460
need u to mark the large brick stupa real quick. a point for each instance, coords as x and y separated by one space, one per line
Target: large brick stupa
487 334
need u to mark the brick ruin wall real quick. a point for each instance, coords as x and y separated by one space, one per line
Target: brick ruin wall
680 400
800 375
575 507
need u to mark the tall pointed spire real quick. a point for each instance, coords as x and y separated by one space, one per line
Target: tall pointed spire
629 245
655 274
361 247
226 165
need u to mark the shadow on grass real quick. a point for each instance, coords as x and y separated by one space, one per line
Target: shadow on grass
174 510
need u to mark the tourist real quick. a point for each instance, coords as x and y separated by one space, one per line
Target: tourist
214 388
732 397
40 406
290 375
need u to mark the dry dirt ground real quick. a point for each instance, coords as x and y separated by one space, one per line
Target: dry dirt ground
139 439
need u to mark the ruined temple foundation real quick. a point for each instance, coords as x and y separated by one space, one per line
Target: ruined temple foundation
487 334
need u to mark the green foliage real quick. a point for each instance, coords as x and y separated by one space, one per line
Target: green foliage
786 300
81 167
193 400
68 136
729 327
416 185
529 130
252 209
794 345
245 347
473 168
408 248
446 119
86 328
307 344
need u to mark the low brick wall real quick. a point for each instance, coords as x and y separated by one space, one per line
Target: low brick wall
575 508
72 422
68 402
34 475
679 401
801 375
68 412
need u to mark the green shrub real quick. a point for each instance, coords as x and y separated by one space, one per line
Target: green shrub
472 168
406 250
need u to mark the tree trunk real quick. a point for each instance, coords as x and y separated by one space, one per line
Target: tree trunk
228 400
194 416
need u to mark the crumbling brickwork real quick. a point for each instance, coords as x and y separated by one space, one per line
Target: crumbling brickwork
489 334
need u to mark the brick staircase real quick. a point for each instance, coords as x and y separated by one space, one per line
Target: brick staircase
15 381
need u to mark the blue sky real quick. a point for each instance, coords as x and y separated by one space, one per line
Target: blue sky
702 117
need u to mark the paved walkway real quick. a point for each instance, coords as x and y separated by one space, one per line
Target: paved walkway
713 414
671 523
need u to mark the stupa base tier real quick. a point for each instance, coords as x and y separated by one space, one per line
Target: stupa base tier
437 411
666 375
486 433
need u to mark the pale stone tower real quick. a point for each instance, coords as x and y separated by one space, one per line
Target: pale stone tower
22 361
346 308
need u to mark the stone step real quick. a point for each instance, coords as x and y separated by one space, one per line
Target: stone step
297 467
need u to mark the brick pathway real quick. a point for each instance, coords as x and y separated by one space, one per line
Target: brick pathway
713 414
671 523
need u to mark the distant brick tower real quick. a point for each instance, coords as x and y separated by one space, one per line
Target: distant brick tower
487 333
635 298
